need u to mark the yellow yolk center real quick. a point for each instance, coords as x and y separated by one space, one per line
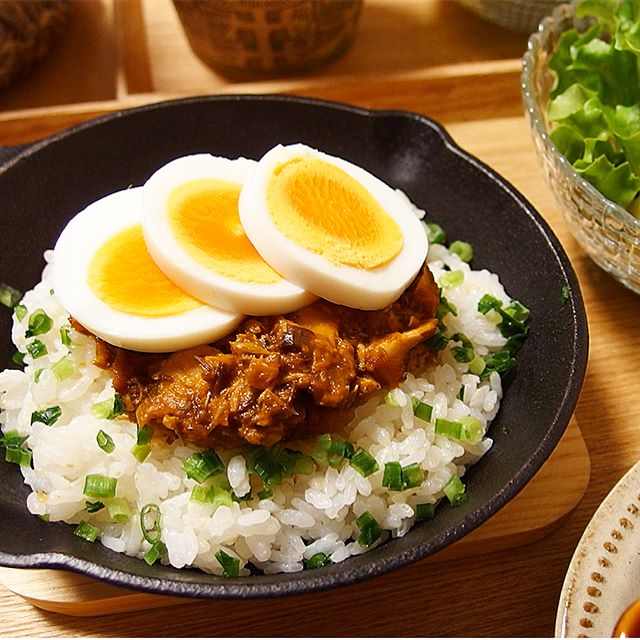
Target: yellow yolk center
204 219
323 209
123 275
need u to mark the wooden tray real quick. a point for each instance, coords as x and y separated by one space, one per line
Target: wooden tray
527 518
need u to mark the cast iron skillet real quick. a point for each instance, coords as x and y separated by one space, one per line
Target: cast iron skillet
46 183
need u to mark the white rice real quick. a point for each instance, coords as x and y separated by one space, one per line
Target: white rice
311 514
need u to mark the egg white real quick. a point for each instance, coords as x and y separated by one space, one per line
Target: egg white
73 253
201 282
343 284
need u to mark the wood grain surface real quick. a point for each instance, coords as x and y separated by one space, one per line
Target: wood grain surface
508 592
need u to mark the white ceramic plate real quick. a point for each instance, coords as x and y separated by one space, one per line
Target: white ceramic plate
603 578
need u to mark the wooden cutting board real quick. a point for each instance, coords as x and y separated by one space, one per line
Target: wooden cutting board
527 518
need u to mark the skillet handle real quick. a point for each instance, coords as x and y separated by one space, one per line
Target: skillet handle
6 153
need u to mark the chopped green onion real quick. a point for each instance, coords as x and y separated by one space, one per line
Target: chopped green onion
477 365
36 349
19 455
150 523
445 307
12 439
370 530
462 249
39 323
392 476
363 462
105 442
47 416
265 465
501 361
332 450
119 510
518 311
87 531
93 507
425 511
421 409
451 279
489 303
448 428
157 550
463 352
109 409
37 375
211 495
199 466
98 486
435 233
141 449
21 312
437 342
472 429
63 369
455 491
65 334
412 476
18 358
265 494
565 294
9 296
230 565
317 560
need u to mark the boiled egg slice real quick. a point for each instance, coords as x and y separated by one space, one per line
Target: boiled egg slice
193 232
105 278
331 227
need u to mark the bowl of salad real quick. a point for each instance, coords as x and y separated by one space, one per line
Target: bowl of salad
581 90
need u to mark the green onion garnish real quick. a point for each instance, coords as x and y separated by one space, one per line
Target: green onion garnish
39 323
21 312
36 348
317 560
230 565
477 365
93 507
265 494
199 466
63 369
12 439
150 523
445 307
47 416
435 233
448 428
98 486
370 530
141 449
455 491
501 361
425 511
421 409
157 550
19 455
464 351
119 510
451 279
211 495
9 296
65 335
472 429
105 442
412 476
110 408
18 358
565 294
392 476
87 531
488 303
437 342
463 249
363 462
37 374
332 450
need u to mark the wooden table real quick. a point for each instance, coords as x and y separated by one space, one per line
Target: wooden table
463 72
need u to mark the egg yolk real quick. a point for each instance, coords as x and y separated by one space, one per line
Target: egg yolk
320 207
204 219
123 275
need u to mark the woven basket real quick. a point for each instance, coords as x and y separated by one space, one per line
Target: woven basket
28 30
517 15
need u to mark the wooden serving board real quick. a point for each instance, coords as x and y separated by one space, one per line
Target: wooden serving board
527 518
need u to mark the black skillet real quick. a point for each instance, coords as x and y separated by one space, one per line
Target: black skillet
43 184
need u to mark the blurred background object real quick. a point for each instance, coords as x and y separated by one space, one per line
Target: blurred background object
257 38
518 15
28 31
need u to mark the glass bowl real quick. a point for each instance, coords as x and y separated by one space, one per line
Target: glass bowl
609 234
